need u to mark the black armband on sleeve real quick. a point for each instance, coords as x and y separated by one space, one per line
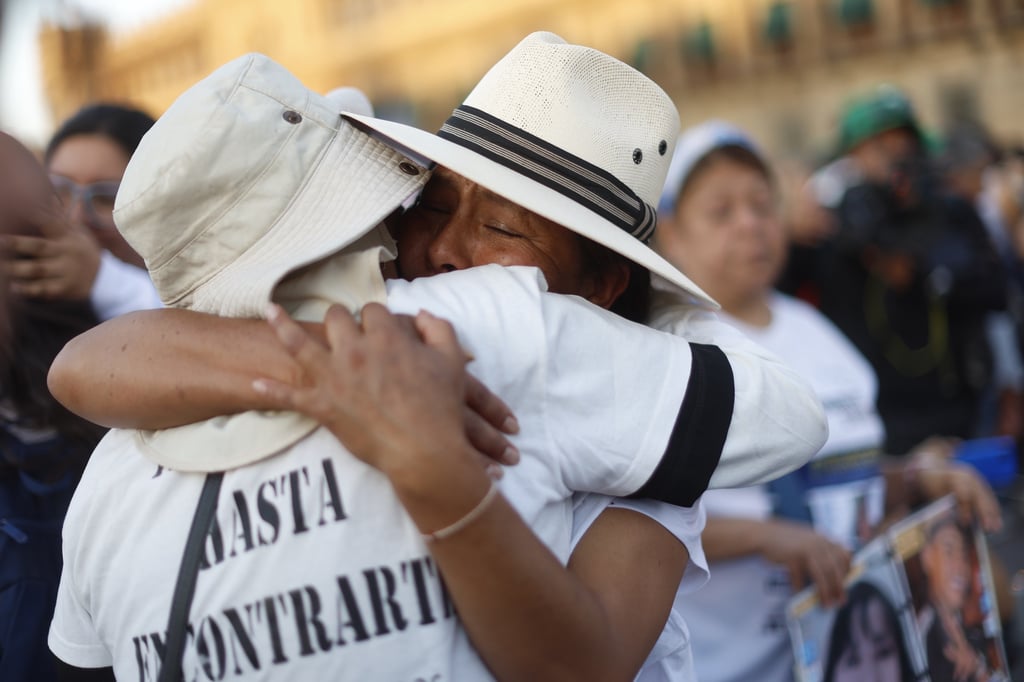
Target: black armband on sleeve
698 436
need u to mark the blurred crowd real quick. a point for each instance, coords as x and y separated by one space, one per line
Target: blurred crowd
888 277
891 277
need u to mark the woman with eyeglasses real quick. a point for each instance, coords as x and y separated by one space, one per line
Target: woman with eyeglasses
86 259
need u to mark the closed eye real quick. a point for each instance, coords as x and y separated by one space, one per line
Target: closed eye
503 230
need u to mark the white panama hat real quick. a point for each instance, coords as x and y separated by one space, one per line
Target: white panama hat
693 145
570 134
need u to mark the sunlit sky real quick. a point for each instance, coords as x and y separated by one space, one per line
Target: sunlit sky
23 109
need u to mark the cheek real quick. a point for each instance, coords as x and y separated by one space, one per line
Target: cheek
726 257
776 235
516 252
777 247
701 246
412 250
559 263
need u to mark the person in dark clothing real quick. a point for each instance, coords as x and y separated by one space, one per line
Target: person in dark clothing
43 447
909 276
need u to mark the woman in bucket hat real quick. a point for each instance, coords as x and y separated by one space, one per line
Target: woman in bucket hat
539 168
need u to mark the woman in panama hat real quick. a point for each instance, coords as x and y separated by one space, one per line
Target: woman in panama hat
555 160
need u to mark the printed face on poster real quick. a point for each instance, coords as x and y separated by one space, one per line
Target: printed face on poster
950 584
919 606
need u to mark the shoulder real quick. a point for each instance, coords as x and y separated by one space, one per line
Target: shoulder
675 315
117 447
961 212
790 311
115 462
804 323
483 283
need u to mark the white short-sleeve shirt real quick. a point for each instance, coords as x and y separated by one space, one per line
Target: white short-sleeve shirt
738 619
121 288
313 570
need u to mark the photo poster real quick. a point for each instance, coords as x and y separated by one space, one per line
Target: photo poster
947 570
872 636
920 606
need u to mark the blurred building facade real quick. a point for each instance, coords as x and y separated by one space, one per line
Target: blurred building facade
781 68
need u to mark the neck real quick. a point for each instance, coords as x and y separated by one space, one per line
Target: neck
754 310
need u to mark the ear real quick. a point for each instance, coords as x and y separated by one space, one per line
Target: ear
604 288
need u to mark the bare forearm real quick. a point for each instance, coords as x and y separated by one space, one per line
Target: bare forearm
528 616
397 404
162 368
726 538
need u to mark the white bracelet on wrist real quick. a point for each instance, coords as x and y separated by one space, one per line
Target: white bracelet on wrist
471 516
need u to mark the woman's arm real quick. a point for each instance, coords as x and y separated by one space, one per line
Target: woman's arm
160 368
157 369
809 556
393 403
531 618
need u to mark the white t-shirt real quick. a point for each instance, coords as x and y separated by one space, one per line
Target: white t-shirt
738 619
793 430
296 573
121 288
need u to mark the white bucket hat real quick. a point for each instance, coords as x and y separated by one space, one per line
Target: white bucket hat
569 133
694 144
247 177
237 184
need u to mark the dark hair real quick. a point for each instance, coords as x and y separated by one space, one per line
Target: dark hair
634 303
123 125
857 599
37 331
32 332
730 152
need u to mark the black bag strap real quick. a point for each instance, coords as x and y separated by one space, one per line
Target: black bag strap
188 574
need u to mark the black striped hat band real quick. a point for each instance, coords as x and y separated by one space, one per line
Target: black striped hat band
583 182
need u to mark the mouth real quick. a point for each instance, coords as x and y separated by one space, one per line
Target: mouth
957 587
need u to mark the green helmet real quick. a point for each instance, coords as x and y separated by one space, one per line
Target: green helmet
887 108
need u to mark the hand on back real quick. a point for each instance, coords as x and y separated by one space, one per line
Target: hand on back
393 389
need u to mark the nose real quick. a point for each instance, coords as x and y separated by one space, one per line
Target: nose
749 220
448 249
76 212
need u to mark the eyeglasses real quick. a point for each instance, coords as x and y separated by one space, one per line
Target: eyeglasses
97 198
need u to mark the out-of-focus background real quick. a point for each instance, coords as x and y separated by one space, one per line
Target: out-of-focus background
782 69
